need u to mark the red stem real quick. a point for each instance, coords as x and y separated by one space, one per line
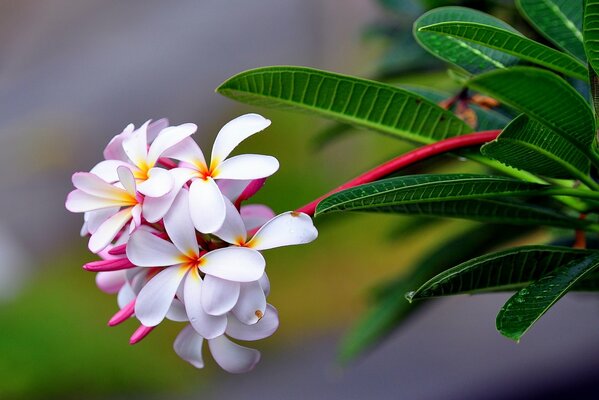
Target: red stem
407 159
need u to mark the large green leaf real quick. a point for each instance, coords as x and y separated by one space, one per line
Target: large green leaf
355 101
511 43
502 270
560 21
391 308
455 196
544 97
590 32
528 145
528 305
469 56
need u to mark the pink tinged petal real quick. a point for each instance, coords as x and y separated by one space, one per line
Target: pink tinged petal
265 284
95 218
232 357
206 205
218 295
118 250
155 128
114 149
137 278
236 264
144 249
188 346
79 201
108 230
136 146
286 229
187 151
123 314
155 298
110 282
106 170
251 304
251 190
140 334
177 311
168 138
127 180
159 183
125 296
233 228
135 218
108 265
209 326
234 132
232 188
95 186
247 166
256 215
260 330
179 226
154 208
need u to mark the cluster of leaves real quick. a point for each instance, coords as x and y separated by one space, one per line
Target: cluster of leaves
544 159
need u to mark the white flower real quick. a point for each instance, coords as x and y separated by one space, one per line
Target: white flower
206 200
206 300
230 356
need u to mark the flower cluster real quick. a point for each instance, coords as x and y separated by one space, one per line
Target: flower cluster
175 241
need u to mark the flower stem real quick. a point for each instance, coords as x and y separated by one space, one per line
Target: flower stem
407 159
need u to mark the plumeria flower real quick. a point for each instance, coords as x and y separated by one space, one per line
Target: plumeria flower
152 181
206 200
93 194
229 355
211 278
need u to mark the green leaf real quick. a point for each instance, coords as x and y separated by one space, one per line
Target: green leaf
456 196
391 308
351 100
528 145
559 21
590 32
512 43
466 55
498 271
528 305
544 97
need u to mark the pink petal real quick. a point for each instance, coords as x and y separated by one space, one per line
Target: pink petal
256 215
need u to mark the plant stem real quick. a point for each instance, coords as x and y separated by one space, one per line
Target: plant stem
407 159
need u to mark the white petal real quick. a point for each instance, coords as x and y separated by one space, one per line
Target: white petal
106 170
232 357
206 205
232 188
95 218
94 185
125 296
209 326
251 304
108 230
156 296
136 146
79 201
260 330
110 281
256 215
265 284
234 132
127 180
218 295
188 346
146 250
177 311
114 149
188 151
159 183
247 166
135 218
286 229
155 128
154 208
233 229
179 226
168 138
234 264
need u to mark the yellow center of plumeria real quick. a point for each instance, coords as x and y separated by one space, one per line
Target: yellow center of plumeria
204 172
141 173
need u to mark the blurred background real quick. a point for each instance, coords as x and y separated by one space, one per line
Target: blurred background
74 73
